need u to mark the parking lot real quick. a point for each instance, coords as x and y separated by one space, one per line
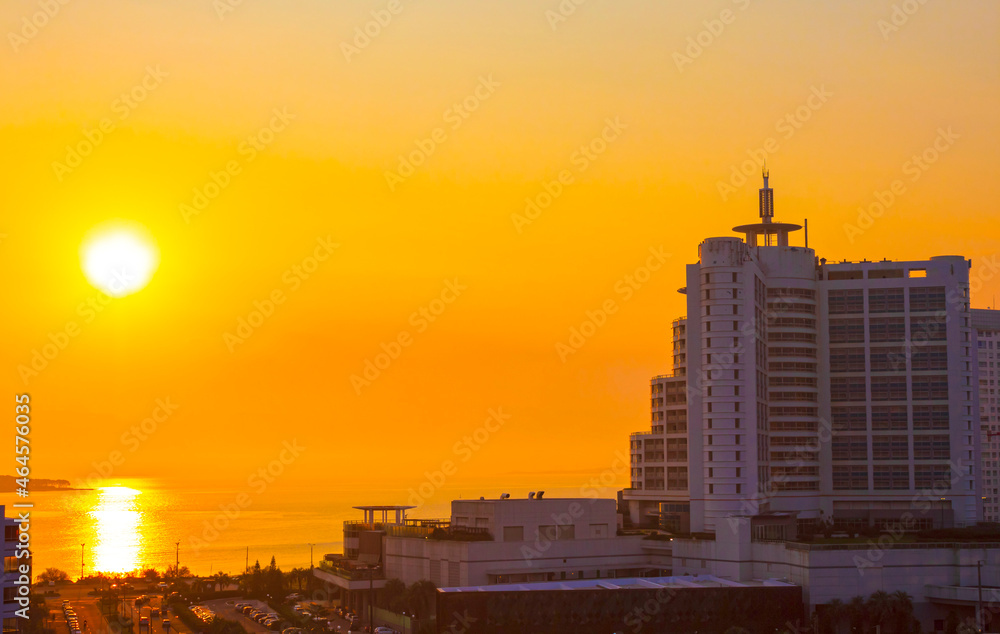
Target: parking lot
225 608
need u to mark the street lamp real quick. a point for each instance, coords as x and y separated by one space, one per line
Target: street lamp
980 621
371 597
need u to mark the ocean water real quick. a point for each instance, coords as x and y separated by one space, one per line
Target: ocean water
139 524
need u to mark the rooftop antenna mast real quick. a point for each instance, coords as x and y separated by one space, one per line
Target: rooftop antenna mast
766 202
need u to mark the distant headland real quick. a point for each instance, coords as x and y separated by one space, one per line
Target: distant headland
8 484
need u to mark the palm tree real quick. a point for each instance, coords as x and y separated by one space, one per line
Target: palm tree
879 608
857 612
394 595
835 612
298 574
420 597
222 580
902 610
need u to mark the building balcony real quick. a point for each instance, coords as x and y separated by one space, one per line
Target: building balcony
350 569
350 578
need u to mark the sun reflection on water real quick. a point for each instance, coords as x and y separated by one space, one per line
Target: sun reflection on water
117 534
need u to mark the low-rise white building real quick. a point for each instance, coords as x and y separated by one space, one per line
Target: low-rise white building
940 577
495 541
521 540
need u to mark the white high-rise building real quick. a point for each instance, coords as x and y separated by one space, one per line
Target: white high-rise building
986 323
834 391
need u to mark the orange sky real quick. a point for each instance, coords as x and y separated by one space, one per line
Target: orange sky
501 97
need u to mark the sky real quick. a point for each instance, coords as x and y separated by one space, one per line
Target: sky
438 193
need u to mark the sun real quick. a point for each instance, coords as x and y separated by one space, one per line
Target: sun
119 257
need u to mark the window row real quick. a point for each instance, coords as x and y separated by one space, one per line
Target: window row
886 300
889 417
887 329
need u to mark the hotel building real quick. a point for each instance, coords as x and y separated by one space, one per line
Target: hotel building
986 323
11 564
844 392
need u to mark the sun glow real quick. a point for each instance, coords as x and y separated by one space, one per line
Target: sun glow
117 523
119 258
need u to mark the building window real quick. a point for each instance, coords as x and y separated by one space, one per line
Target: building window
513 533
928 298
846 360
847 331
850 418
927 388
846 301
885 300
928 328
850 477
850 388
891 477
889 417
850 447
890 448
886 329
888 388
930 417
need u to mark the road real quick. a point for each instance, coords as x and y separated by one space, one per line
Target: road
89 615
87 611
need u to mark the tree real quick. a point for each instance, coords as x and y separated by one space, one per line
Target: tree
222 580
54 575
151 575
393 596
297 575
951 623
420 598
857 613
902 612
833 616
274 581
172 571
879 607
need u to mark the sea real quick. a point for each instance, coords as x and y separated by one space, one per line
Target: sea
139 524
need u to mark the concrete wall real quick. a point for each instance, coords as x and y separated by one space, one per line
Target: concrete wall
589 517
843 573
456 563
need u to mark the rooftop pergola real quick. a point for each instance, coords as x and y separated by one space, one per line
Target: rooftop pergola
370 512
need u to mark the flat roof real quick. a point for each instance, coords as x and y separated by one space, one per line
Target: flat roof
384 508
985 319
630 583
